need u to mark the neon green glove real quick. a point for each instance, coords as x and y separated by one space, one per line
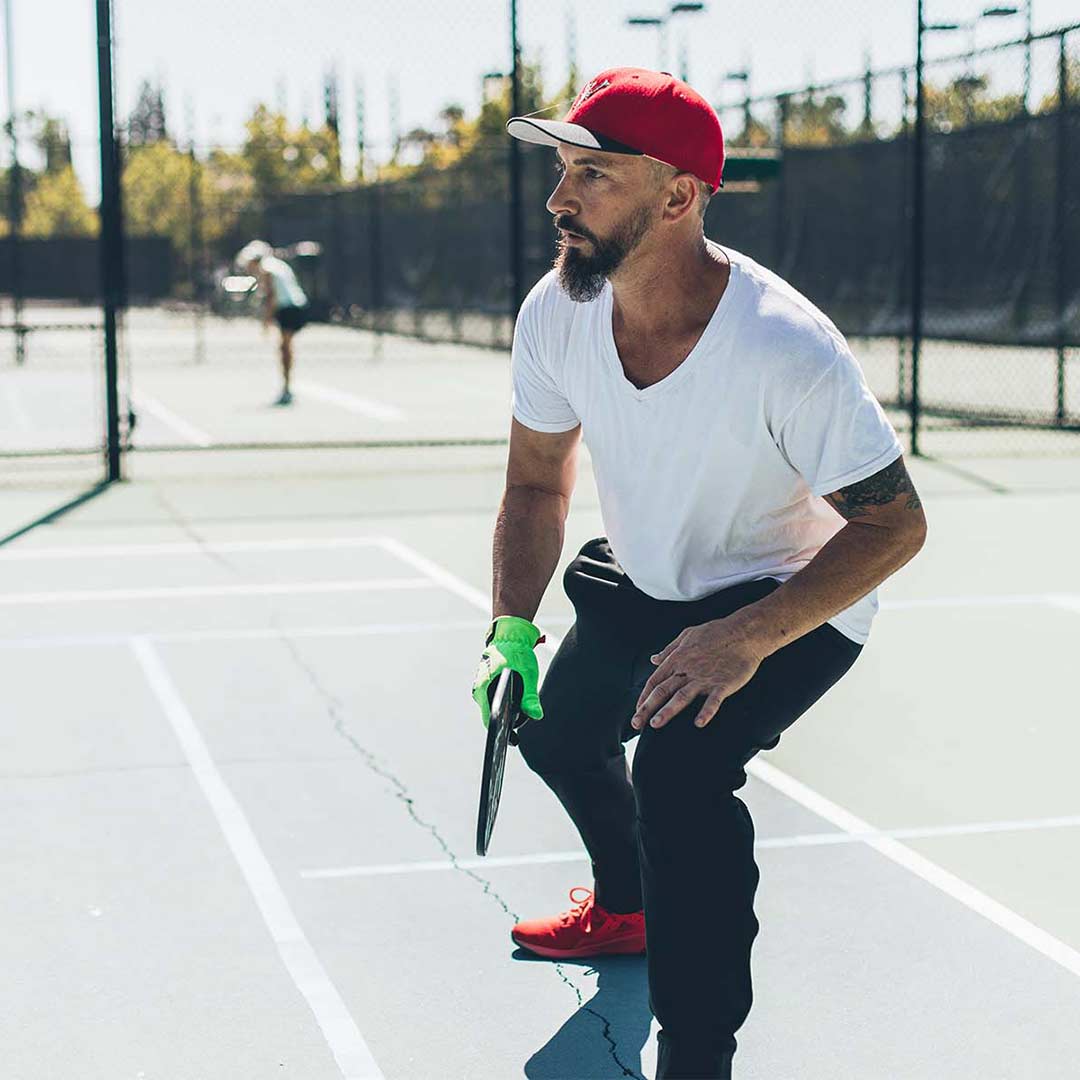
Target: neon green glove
510 644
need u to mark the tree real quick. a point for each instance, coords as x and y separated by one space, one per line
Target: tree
147 122
56 206
816 122
965 101
164 187
281 159
53 141
754 133
1072 87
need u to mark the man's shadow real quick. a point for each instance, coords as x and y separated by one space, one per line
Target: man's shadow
584 1048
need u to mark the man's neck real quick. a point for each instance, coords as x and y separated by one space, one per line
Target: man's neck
669 293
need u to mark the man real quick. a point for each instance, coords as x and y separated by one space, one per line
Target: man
754 495
284 302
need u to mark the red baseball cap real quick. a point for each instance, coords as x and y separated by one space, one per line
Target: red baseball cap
636 111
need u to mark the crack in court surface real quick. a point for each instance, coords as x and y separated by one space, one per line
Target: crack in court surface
338 713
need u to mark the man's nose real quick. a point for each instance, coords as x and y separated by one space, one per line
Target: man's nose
560 200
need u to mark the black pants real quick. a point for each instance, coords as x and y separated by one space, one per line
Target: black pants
673 838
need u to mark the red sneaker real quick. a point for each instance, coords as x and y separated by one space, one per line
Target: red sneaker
586 929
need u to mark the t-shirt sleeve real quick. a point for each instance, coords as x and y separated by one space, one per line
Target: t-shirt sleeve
838 434
538 402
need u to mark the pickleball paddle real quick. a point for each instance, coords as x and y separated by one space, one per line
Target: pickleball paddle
506 715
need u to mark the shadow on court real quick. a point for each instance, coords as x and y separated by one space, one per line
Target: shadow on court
604 1038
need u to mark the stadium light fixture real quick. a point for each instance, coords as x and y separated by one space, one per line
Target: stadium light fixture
659 23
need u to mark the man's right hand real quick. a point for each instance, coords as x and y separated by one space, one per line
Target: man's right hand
510 644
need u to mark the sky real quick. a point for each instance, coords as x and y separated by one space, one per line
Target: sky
217 58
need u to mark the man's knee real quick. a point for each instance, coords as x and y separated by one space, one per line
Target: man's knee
679 768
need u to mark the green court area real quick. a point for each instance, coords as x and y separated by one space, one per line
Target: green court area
241 766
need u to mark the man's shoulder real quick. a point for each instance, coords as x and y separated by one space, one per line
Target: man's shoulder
547 298
785 320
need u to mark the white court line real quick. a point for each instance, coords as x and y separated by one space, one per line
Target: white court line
185 592
1007 600
374 410
997 913
189 547
262 633
187 431
439 574
773 843
338 1027
379 870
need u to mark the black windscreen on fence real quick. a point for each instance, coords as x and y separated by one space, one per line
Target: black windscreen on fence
834 224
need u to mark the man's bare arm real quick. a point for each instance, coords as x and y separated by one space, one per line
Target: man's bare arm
540 475
885 529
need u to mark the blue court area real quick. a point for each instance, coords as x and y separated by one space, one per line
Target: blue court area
240 771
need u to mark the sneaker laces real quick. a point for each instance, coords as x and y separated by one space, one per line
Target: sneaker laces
582 910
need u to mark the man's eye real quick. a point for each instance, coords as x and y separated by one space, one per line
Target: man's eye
592 174
560 168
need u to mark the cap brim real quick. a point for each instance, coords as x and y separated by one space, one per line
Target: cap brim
554 132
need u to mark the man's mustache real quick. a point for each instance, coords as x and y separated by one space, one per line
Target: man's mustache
567 225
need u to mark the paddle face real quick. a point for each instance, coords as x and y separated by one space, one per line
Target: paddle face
505 716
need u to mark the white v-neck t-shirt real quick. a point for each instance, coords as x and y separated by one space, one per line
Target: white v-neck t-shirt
714 475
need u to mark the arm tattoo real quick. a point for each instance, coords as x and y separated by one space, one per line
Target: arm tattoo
882 488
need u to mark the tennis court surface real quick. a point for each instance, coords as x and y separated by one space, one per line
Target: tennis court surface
240 769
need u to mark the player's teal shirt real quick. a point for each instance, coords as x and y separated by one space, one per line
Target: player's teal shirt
287 290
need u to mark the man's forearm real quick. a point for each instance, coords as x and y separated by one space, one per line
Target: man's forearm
855 561
526 548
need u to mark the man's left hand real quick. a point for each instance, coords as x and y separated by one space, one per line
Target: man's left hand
712 661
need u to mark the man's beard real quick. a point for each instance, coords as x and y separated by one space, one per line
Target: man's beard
582 276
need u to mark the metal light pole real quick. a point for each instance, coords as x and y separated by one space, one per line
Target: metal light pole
659 23
661 44
743 76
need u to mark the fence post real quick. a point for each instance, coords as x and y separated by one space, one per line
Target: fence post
918 197
15 194
375 252
112 239
516 240
196 262
1061 188
783 105
904 281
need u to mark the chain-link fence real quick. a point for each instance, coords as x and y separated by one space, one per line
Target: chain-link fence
1000 278
403 237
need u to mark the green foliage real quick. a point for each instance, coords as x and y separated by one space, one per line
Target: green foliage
965 101
754 133
815 121
472 144
1072 87
56 206
53 141
163 186
281 159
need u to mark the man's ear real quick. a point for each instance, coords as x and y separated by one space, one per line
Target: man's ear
681 198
